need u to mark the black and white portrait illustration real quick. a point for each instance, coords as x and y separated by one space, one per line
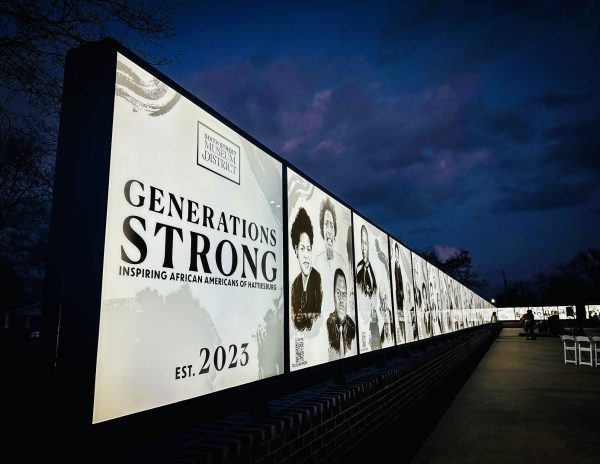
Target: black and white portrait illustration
366 282
341 328
422 296
538 312
306 289
520 312
457 311
320 243
506 314
373 287
434 300
402 288
469 317
445 312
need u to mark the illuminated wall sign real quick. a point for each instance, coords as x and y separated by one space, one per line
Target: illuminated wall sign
434 299
520 312
422 296
505 314
447 324
373 287
168 249
463 303
538 312
562 312
550 311
321 278
462 308
403 291
192 299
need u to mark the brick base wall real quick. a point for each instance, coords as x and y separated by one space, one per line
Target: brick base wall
327 422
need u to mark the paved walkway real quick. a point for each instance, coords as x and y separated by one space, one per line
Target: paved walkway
522 404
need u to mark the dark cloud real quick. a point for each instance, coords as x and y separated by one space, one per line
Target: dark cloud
432 117
410 153
560 171
439 148
510 124
389 58
575 147
393 201
445 252
261 60
459 14
546 194
527 41
423 230
256 97
553 99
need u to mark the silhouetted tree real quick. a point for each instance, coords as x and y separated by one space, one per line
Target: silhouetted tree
25 193
37 34
459 267
576 281
34 39
522 292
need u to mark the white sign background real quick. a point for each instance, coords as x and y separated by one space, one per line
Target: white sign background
422 295
310 346
406 317
375 313
152 328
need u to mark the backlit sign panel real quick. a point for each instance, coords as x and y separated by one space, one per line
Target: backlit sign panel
422 296
192 299
321 277
403 291
373 287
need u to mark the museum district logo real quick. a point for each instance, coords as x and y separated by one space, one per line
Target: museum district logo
218 154
215 152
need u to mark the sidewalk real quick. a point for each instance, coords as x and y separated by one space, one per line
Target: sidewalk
521 405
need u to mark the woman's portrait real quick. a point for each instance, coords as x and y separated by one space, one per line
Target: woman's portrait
307 293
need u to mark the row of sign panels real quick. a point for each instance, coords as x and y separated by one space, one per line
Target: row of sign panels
193 271
399 296
544 312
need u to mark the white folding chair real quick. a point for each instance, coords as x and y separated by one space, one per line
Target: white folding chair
584 345
596 347
569 345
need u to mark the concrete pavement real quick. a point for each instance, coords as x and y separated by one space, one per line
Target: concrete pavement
522 404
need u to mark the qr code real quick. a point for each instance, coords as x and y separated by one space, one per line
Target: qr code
363 341
299 349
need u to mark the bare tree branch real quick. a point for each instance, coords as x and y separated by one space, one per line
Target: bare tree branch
34 38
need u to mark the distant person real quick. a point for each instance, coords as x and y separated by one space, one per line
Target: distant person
365 277
494 327
307 293
529 321
341 329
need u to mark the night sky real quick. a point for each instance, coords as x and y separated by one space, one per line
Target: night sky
471 125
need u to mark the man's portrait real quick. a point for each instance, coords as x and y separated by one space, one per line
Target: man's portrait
341 329
365 277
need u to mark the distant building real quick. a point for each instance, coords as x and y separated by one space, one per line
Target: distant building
24 315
